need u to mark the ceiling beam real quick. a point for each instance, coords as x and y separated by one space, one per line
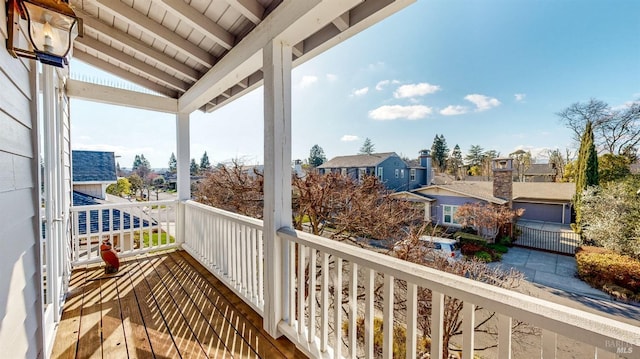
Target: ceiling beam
115 96
198 21
136 45
132 62
156 30
251 9
124 74
290 22
342 21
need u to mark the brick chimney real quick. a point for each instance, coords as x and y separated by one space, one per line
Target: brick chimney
503 179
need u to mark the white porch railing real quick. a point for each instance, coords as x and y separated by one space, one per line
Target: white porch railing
133 228
230 246
322 272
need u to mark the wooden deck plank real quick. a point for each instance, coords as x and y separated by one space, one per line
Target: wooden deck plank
160 339
137 340
66 342
162 306
202 299
181 332
90 340
268 347
202 316
114 344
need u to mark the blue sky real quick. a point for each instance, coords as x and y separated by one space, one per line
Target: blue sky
490 73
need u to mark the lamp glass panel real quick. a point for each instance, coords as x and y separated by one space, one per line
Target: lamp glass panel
49 30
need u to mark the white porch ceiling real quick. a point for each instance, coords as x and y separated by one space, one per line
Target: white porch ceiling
206 53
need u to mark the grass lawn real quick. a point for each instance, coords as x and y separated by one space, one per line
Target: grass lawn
156 239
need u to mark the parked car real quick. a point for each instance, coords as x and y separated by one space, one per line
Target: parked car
445 247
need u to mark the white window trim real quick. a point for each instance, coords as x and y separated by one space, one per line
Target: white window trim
397 172
380 173
453 210
412 174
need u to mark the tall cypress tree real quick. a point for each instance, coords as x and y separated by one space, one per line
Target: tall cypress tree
587 173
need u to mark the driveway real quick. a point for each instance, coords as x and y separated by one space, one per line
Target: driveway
553 277
551 270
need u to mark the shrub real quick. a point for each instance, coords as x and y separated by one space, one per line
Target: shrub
469 238
506 241
470 249
500 248
604 268
483 256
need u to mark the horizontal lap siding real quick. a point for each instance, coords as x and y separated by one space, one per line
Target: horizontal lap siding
19 280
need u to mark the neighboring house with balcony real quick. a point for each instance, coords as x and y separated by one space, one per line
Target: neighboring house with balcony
391 169
92 172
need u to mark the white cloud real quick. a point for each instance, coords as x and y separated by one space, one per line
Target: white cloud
308 80
413 90
360 92
332 77
520 96
381 85
349 138
453 110
395 112
377 66
482 102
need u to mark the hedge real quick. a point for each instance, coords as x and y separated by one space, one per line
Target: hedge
605 269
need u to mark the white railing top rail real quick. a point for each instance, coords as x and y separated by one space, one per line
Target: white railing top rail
570 322
122 205
257 223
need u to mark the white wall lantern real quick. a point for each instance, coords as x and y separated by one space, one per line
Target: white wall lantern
50 26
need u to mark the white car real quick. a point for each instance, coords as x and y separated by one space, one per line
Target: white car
445 246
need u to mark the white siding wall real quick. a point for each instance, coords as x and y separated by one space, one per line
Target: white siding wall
94 190
20 299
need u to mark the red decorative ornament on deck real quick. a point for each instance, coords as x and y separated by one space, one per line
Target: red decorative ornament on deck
110 257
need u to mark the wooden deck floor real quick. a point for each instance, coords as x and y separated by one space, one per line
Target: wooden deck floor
160 306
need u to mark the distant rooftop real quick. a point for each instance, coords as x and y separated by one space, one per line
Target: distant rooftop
357 160
93 166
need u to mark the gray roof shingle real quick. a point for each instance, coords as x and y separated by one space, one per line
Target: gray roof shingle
357 160
93 166
524 191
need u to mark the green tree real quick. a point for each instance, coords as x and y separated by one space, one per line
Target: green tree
367 147
173 163
474 157
120 188
205 165
141 166
136 183
193 168
611 215
613 167
158 186
586 174
455 162
439 152
316 156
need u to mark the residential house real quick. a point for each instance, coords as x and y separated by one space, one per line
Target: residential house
542 201
201 56
391 170
540 172
92 172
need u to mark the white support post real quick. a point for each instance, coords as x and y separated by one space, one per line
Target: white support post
277 58
184 175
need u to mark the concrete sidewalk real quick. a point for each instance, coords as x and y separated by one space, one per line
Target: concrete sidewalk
548 269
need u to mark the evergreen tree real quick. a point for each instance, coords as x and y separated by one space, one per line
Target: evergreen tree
455 162
204 162
367 147
475 155
316 156
439 152
173 163
193 168
141 166
587 173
